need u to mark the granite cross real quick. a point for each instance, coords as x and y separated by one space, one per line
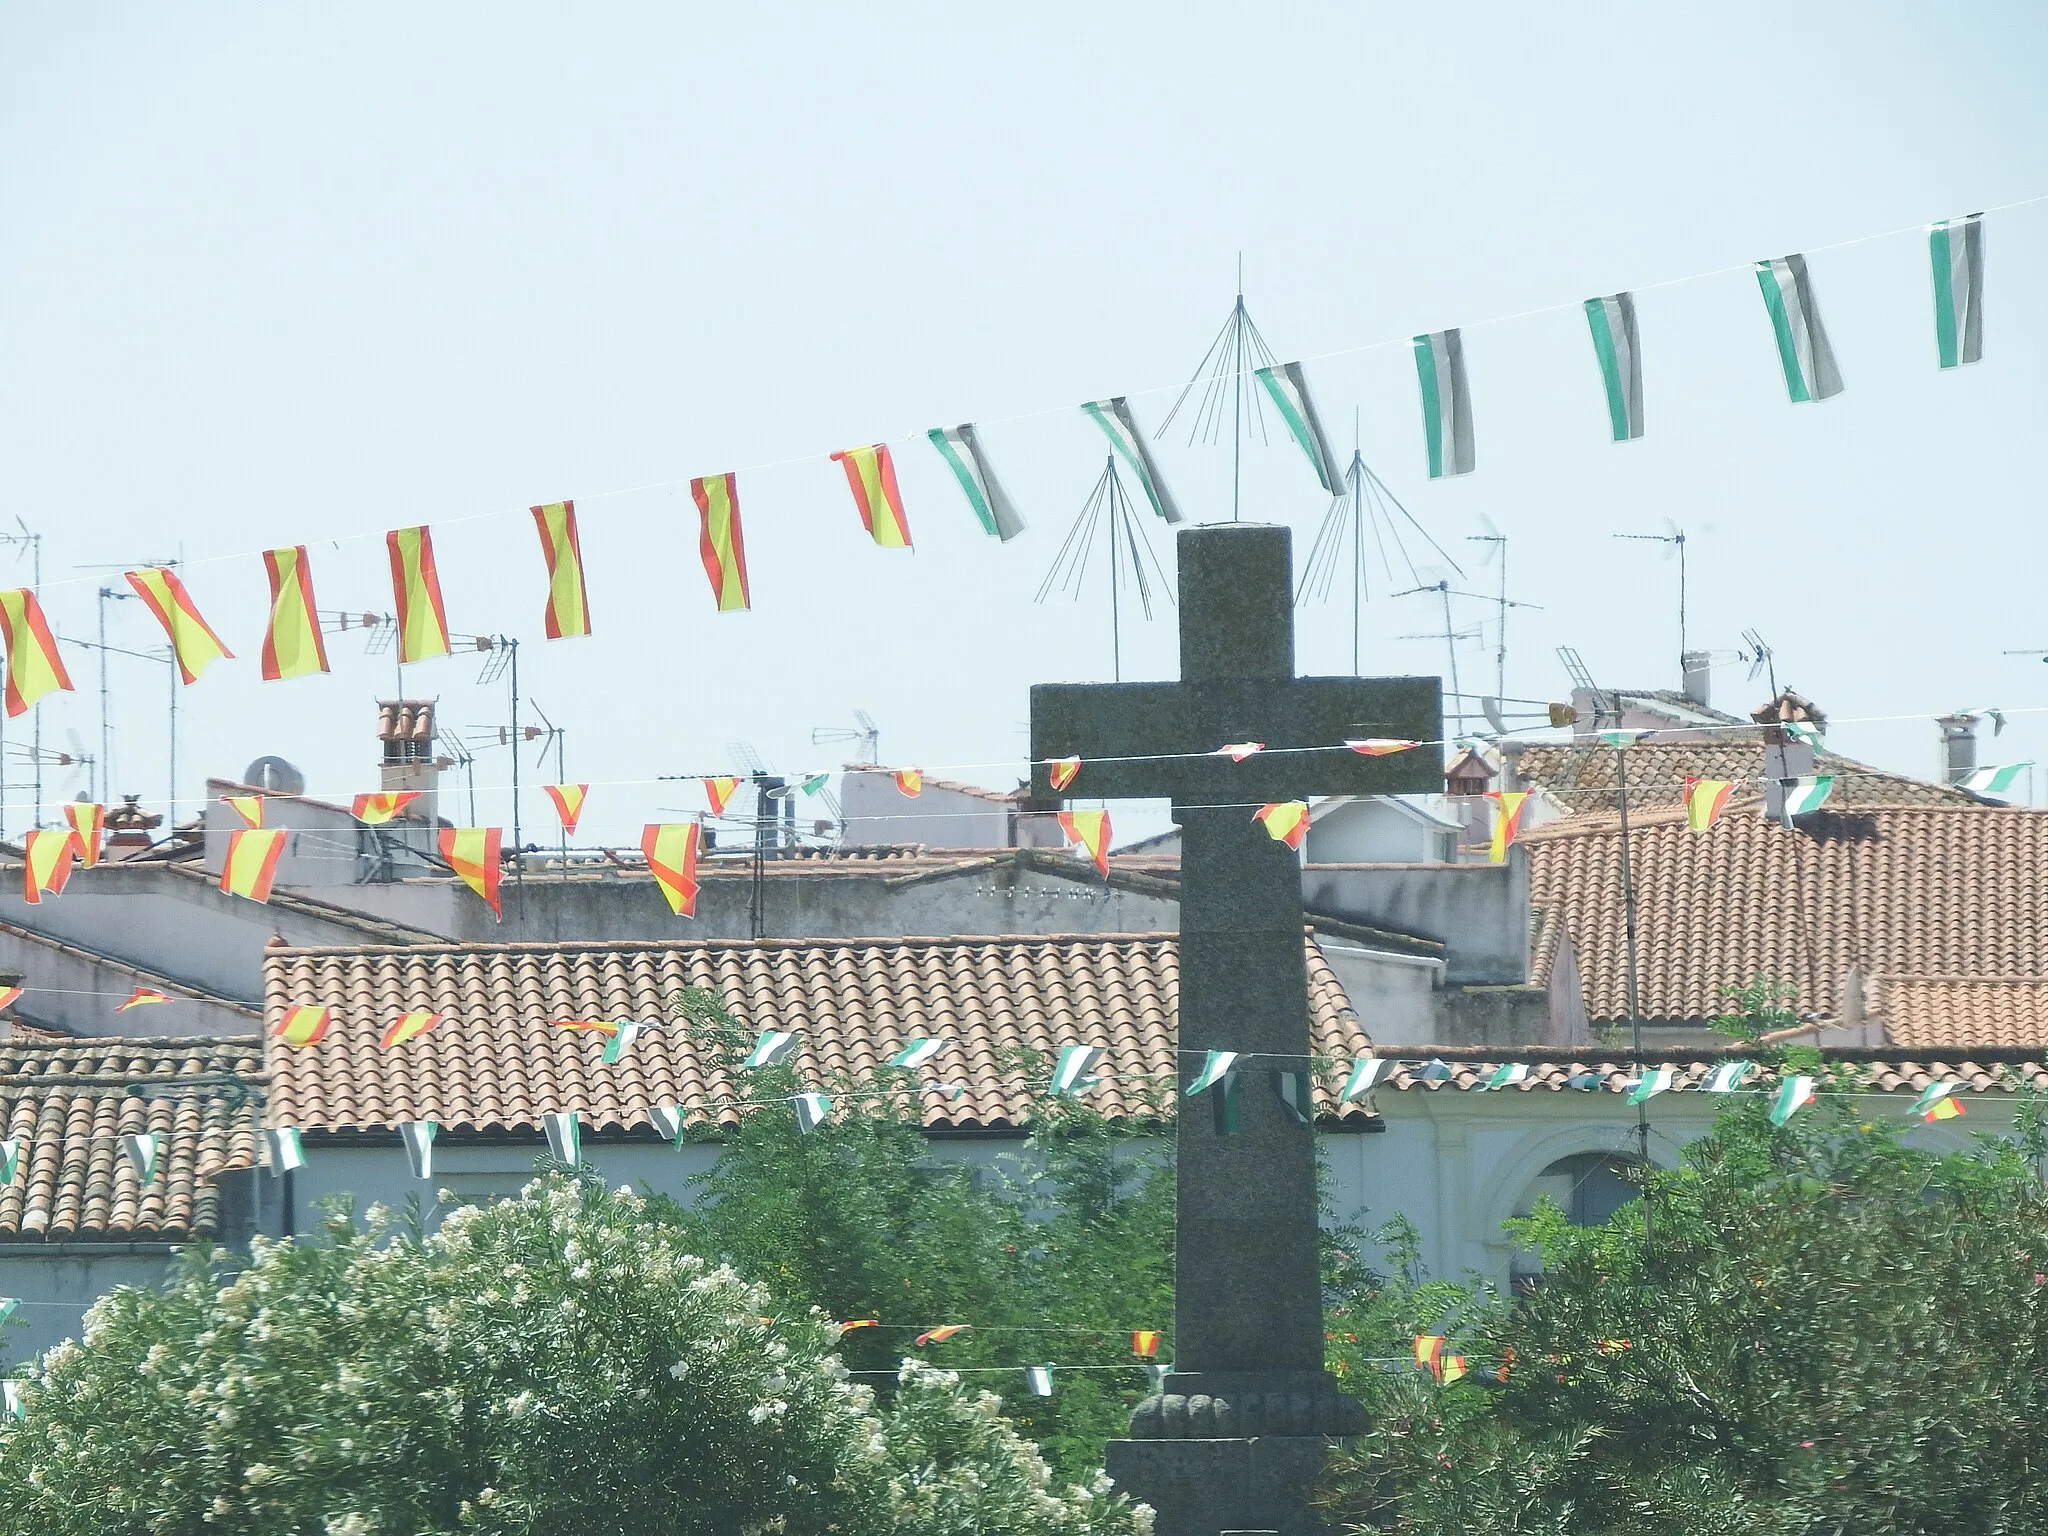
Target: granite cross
1240 1426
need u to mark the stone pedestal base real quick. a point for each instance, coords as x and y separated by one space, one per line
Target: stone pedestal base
1203 1487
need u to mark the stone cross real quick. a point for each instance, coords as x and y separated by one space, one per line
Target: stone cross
1239 1430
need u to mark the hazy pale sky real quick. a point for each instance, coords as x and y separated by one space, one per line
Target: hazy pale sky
290 273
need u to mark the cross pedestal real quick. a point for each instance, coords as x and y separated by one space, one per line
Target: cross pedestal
1237 1435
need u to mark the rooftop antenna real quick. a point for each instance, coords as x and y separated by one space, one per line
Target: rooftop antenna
1496 544
1366 501
1673 540
554 736
1761 658
867 733
1108 507
1222 374
1451 638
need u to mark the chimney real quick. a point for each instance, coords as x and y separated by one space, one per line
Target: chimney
1792 727
128 827
1958 747
405 731
1698 669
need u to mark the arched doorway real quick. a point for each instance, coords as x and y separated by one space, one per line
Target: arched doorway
1588 1187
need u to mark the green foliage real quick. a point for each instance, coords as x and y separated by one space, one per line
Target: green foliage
1827 1329
1760 1008
556 1364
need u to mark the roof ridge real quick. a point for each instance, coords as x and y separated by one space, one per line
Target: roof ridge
876 941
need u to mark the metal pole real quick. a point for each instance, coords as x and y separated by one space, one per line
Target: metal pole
171 811
518 862
36 545
1451 647
106 751
1357 549
1237 320
1116 642
1635 1016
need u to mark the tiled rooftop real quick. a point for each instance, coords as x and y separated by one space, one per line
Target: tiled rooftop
496 1062
1581 778
1908 892
69 1105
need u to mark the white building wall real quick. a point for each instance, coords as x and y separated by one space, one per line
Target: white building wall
56 1282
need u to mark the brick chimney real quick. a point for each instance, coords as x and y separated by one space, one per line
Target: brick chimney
405 731
1958 747
1791 726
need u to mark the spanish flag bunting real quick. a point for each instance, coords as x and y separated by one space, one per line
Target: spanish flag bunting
192 639
1944 1108
1145 1342
474 854
303 1024
568 800
1238 751
1507 820
408 1026
1380 746
568 612
1089 830
1429 1353
720 543
88 829
248 807
942 1333
872 474
910 781
1286 821
1933 1097
46 856
380 808
33 666
251 862
141 997
1063 771
671 851
9 996
416 587
292 646
1453 1367
601 1027
1704 801
719 792
860 1322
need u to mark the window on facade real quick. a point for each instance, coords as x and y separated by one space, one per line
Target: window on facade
1588 1187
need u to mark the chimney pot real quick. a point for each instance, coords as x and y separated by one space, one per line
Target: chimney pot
1958 747
1698 670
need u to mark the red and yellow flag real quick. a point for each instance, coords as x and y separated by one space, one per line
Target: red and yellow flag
192 639
872 474
1063 771
416 587
303 1024
1429 1353
9 996
568 602
1507 819
910 781
1286 821
292 646
1704 801
1454 1368
33 666
671 850
589 1026
141 997
1238 751
1145 1342
568 800
1379 746
380 808
1943 1108
940 1334
724 551
251 863
1089 830
248 807
860 1322
408 1026
88 828
46 856
475 854
719 793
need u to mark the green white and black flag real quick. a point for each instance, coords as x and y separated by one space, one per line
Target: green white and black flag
8 1304
1114 417
1070 1071
1289 388
418 1136
667 1120
1956 247
961 450
565 1139
287 1151
1297 1091
1039 1378
142 1150
773 1046
811 1110
1997 780
1446 403
1613 322
1365 1072
623 1036
10 1159
10 1400
1803 350
1215 1067
917 1052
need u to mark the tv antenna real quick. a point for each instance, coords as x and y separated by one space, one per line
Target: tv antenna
1673 540
1366 502
866 732
1761 658
1221 376
1108 507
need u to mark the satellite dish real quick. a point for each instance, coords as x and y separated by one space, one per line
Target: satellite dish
276 775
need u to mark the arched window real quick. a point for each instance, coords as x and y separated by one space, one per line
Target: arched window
1588 1187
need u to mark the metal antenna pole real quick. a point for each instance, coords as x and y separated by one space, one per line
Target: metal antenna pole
171 810
1680 541
1451 649
106 747
518 860
1238 320
1635 1014
1116 640
36 549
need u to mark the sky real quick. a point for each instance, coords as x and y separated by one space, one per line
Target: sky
279 274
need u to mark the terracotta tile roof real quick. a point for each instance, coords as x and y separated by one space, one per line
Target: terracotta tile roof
1950 1011
496 1063
1553 1070
1582 778
69 1105
1928 891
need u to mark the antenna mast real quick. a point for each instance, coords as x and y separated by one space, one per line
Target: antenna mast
1237 350
1676 540
1109 507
